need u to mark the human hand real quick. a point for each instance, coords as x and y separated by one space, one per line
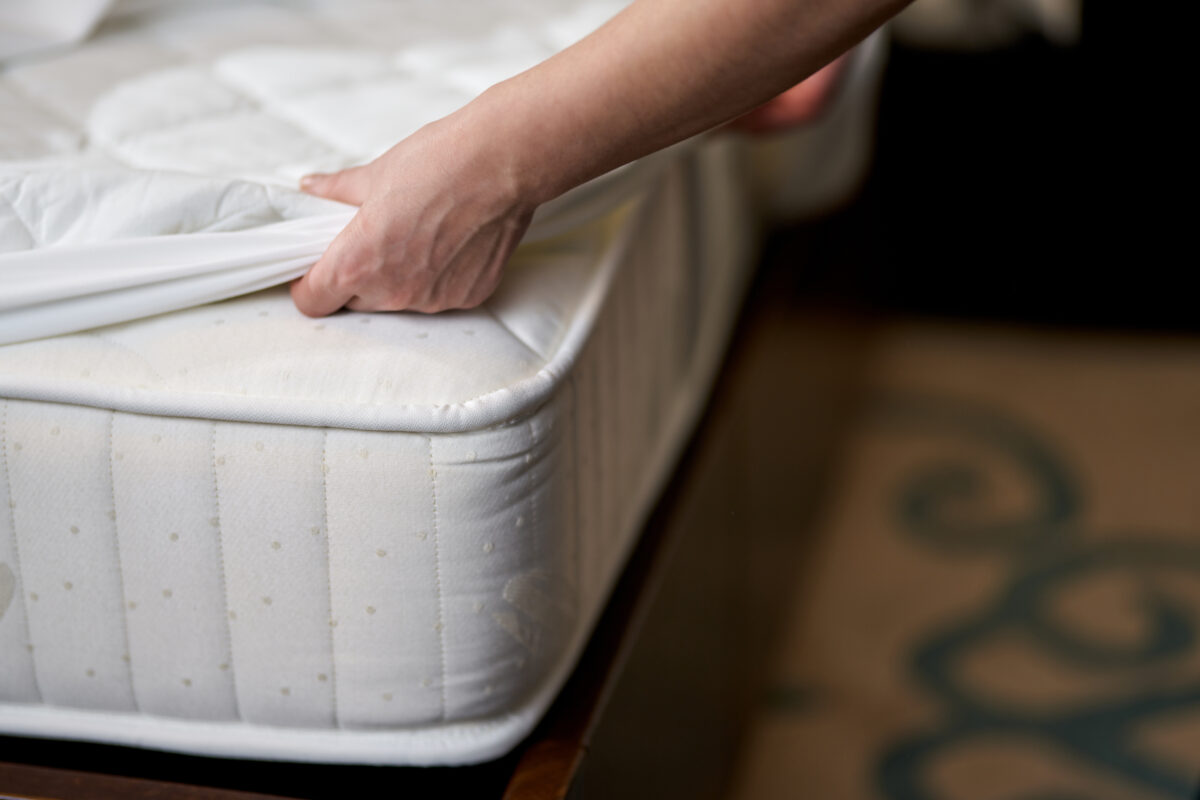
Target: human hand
439 215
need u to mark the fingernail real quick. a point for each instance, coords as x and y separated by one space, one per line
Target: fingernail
308 181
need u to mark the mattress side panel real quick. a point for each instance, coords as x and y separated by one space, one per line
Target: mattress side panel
64 516
629 383
283 576
643 376
18 681
510 604
383 580
268 485
167 519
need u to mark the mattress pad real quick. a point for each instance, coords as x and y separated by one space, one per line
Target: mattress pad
231 529
120 131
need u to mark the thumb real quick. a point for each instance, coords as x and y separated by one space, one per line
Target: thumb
348 186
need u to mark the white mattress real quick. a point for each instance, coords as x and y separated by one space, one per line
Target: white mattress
234 530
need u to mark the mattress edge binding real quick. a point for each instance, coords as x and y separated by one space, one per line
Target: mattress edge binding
493 408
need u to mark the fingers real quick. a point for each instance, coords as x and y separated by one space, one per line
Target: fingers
324 289
314 297
348 186
397 255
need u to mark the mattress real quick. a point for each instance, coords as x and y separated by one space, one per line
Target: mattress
233 530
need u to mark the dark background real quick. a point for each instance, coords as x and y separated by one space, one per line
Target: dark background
1039 183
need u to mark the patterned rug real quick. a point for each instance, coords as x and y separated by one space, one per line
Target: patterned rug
1002 600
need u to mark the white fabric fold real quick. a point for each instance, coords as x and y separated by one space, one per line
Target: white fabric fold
189 199
65 289
74 279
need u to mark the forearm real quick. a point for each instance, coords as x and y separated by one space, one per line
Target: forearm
657 73
441 212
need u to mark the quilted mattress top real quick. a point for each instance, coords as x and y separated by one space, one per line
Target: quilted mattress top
152 168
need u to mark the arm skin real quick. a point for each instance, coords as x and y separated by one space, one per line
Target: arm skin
441 212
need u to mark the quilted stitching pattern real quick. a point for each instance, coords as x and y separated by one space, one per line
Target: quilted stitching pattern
278 88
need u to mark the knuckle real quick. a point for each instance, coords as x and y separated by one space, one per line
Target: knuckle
346 276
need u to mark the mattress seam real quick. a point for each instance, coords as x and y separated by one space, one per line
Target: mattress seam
533 445
437 580
577 511
112 487
150 132
330 84
206 65
278 109
270 109
513 334
229 614
340 29
596 399
337 723
20 579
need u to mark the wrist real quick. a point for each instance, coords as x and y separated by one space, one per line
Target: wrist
528 135
494 151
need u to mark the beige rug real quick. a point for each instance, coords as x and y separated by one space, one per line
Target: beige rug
1003 602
